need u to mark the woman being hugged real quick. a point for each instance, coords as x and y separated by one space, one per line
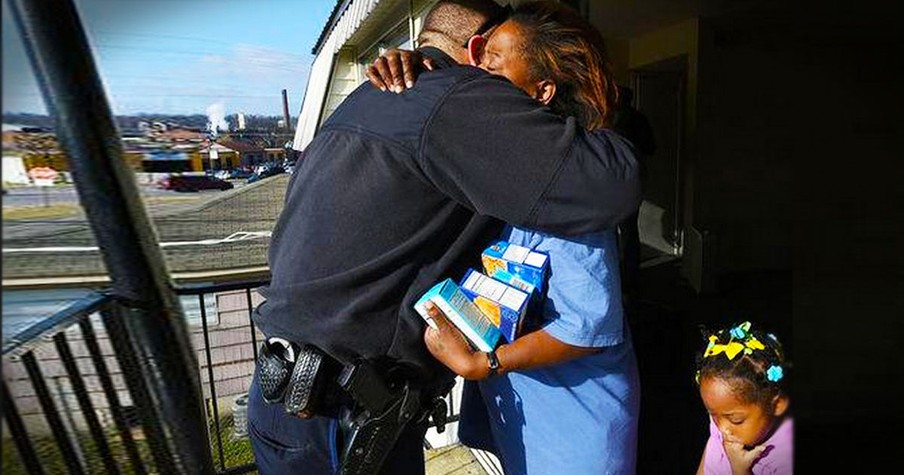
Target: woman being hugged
564 396
743 383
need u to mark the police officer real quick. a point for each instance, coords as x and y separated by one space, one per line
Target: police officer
398 191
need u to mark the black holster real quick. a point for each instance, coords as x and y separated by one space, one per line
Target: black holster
306 386
372 413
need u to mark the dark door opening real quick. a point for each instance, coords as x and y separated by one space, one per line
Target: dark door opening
659 90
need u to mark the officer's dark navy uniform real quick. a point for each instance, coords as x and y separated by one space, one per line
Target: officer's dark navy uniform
397 192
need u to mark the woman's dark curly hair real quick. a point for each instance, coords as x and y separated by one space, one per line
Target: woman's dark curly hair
560 45
758 375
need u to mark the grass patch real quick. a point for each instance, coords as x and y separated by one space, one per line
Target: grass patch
42 212
170 199
236 452
69 210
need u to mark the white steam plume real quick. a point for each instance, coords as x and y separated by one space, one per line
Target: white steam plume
216 118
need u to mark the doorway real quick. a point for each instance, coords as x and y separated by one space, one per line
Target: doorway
659 92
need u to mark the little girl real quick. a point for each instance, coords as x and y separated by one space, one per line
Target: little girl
743 386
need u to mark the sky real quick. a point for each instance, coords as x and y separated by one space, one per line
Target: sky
186 56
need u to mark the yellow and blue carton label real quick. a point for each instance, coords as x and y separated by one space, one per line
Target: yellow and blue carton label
462 312
504 304
516 265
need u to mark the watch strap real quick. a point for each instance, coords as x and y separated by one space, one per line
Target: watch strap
493 363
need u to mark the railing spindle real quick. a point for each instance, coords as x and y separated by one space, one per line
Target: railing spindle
128 362
60 434
84 401
213 389
20 436
251 321
106 382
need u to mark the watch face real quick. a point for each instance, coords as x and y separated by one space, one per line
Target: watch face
493 362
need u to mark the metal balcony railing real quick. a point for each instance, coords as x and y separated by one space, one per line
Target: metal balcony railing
115 382
71 387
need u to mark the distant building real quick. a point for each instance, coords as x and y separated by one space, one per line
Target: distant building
14 171
228 153
172 134
35 148
169 161
218 157
247 152
274 154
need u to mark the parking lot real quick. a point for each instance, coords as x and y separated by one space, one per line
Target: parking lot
23 196
201 231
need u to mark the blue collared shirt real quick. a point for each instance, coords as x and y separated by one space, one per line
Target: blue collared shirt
579 416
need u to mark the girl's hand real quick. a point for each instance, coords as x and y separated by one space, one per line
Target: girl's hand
740 458
450 347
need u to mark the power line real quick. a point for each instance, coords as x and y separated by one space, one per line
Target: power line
189 53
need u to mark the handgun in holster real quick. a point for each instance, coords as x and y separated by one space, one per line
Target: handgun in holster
378 418
372 413
381 414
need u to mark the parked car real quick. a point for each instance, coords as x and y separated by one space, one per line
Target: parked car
266 171
273 170
193 183
239 173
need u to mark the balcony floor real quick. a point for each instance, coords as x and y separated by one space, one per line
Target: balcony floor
454 459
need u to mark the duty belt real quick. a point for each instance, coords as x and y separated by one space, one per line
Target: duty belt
372 412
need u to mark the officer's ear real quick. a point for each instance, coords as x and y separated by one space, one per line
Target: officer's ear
475 49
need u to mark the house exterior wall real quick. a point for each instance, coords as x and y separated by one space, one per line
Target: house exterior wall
315 92
344 79
339 66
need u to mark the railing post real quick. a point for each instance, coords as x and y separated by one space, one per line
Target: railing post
58 49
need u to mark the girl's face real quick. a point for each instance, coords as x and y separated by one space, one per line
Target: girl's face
503 56
748 422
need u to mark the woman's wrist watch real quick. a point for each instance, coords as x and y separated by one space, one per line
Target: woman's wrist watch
493 363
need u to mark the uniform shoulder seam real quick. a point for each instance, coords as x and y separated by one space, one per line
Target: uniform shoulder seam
370 133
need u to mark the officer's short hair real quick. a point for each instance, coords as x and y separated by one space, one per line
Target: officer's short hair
450 23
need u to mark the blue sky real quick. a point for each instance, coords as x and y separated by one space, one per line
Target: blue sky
185 56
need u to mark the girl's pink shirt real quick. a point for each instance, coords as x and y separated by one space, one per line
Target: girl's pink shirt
777 460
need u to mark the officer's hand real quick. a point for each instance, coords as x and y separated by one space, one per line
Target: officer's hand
396 69
450 347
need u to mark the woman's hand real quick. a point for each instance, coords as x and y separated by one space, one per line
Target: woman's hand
740 458
396 69
450 347
534 350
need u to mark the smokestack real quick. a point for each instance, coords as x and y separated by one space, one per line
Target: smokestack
285 109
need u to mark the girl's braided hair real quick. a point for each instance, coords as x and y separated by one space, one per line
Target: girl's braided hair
750 361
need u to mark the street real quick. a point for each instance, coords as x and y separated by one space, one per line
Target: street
21 196
200 231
